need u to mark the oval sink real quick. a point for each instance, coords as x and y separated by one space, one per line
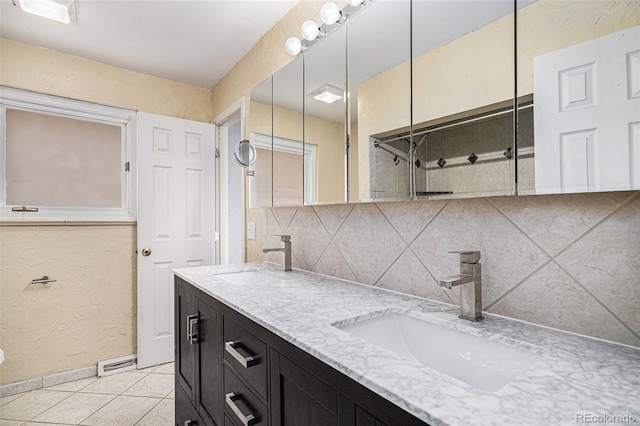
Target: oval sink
247 277
477 361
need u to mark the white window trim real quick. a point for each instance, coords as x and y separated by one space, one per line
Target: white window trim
293 147
69 108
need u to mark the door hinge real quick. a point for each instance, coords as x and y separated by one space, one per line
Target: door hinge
127 166
217 152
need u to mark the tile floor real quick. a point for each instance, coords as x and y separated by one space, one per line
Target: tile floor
140 397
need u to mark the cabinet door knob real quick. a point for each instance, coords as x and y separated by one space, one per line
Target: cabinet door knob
190 422
247 420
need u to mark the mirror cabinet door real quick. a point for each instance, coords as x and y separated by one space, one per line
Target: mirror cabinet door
579 93
463 86
288 136
325 70
259 176
379 49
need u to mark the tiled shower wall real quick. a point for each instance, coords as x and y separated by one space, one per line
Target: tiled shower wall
566 261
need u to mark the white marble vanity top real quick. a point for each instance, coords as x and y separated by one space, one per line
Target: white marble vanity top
577 380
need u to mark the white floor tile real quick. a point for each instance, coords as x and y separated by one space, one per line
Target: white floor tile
73 386
153 385
147 370
162 414
75 409
165 369
115 384
171 395
31 404
7 399
122 411
46 424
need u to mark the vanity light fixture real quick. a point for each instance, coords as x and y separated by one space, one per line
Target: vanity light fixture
330 14
311 31
57 10
293 46
327 94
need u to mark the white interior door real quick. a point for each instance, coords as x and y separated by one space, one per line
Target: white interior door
587 115
176 221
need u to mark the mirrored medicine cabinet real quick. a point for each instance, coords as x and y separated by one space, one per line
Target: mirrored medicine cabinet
415 100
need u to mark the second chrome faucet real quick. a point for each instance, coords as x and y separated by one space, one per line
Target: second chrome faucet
470 280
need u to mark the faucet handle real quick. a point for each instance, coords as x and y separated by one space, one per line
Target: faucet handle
285 238
468 256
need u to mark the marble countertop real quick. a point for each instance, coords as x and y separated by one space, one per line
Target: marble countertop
577 379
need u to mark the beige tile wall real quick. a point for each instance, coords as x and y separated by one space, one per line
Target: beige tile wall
566 261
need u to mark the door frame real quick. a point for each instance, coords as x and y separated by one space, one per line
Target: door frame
236 112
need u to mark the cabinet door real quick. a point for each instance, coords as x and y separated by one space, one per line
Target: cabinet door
209 367
299 398
185 412
185 348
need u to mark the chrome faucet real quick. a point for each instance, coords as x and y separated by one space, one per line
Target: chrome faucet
286 239
471 280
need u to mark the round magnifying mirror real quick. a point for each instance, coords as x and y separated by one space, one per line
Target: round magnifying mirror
245 153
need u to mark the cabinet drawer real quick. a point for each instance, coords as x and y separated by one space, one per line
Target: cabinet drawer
247 355
241 404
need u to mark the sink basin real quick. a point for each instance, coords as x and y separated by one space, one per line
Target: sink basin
247 277
477 361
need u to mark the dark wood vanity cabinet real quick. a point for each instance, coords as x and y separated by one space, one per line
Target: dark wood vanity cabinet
231 371
198 358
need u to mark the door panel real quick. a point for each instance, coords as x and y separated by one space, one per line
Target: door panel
175 221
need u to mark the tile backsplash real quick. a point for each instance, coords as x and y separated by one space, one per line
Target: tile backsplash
566 261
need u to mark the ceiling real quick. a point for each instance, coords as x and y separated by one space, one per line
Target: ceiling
195 42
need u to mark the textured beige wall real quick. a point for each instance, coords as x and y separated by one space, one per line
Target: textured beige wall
87 316
90 313
28 67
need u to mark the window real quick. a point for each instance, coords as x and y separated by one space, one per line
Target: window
65 160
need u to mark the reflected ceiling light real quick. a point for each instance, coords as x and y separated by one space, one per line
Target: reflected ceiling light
293 46
58 10
327 94
310 31
330 13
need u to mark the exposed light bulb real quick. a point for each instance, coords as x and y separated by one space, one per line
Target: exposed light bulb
293 46
330 13
310 30
355 2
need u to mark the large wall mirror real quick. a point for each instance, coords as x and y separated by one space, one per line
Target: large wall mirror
260 119
463 98
579 87
325 70
289 156
379 40
430 103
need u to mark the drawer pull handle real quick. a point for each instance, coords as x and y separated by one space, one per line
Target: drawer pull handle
230 400
190 422
192 336
246 362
